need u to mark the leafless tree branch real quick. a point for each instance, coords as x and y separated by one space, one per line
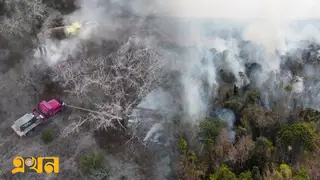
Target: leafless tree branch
24 15
120 80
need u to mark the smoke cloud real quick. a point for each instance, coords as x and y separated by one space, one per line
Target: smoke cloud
272 27
109 20
215 34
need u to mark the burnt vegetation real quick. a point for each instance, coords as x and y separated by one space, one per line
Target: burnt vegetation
273 142
276 139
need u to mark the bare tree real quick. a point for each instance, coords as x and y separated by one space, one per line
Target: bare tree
24 15
118 81
222 148
239 153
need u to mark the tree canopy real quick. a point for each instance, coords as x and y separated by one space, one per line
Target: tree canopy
300 135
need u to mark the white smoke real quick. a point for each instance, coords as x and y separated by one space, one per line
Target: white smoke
270 24
104 22
229 117
265 22
248 9
194 72
55 52
154 132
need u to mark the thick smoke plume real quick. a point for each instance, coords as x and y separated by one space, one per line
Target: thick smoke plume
113 20
271 26
271 30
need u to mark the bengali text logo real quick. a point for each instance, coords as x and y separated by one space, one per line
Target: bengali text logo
35 164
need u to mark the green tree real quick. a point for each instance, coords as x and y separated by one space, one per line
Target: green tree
299 136
223 173
247 175
210 128
182 145
192 166
301 175
91 162
191 157
261 154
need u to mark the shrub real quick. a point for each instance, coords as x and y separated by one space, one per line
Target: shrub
91 162
47 136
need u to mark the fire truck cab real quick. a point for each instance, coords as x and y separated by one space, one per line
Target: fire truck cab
30 121
47 109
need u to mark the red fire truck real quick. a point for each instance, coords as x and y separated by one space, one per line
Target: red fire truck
29 121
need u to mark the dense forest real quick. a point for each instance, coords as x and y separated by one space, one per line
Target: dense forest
158 97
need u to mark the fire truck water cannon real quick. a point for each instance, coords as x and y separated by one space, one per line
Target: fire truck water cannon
29 121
